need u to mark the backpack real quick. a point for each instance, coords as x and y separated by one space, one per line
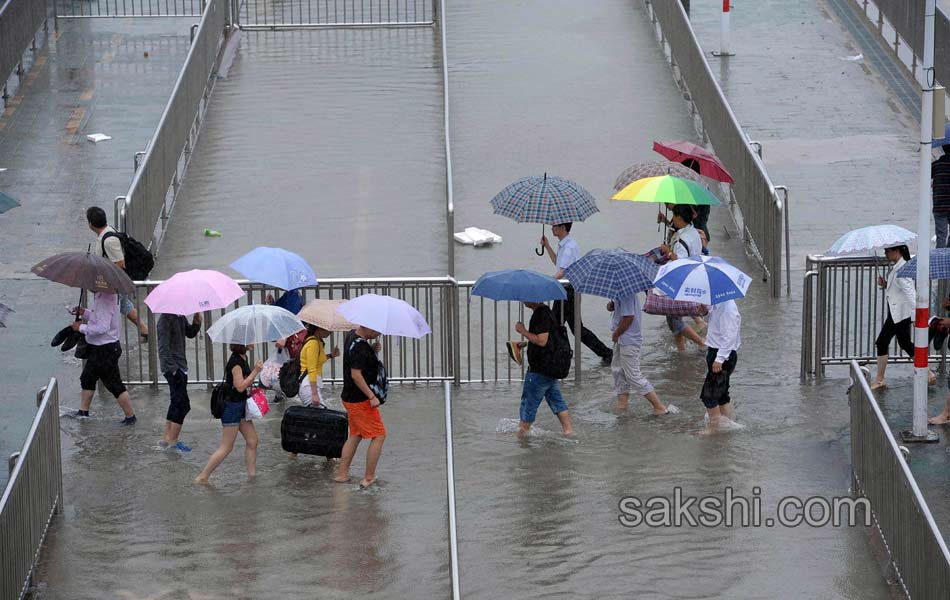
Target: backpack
219 398
138 260
558 355
290 375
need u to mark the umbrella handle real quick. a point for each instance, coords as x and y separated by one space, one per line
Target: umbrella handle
539 251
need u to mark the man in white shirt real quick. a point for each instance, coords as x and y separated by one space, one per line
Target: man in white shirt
685 243
723 339
110 247
628 338
568 253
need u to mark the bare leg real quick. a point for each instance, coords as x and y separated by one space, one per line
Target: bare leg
133 317
250 447
623 401
713 426
523 428
726 410
125 403
694 337
349 450
172 431
372 459
680 342
654 400
228 435
85 399
565 418
881 368
943 417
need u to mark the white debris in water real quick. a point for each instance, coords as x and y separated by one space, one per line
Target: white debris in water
473 236
98 137
725 423
855 58
672 409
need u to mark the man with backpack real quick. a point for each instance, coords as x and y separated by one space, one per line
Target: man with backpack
547 349
112 245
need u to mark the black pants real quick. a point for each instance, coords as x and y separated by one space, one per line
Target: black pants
889 330
727 368
103 364
702 220
588 338
179 404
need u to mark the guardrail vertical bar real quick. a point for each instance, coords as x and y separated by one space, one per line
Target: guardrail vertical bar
578 328
450 483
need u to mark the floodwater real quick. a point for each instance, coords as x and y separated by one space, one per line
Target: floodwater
333 139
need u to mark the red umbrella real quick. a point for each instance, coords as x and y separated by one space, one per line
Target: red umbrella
681 151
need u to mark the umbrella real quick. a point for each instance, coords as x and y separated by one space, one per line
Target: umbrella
6 203
546 200
939 265
324 314
683 152
86 271
275 267
389 316
667 189
703 279
612 274
871 238
940 142
520 285
656 169
254 324
193 292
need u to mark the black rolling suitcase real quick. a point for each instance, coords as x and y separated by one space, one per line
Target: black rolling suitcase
318 431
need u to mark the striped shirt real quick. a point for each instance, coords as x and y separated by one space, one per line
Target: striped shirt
940 174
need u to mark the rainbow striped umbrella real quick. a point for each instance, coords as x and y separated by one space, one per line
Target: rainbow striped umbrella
667 189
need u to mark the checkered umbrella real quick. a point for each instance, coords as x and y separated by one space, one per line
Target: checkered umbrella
939 265
613 273
548 199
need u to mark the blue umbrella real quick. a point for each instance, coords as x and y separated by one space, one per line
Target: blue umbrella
519 284
6 203
703 279
612 273
945 139
939 265
275 267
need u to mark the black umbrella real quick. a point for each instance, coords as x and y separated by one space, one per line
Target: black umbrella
85 271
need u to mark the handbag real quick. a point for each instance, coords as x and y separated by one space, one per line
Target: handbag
663 305
257 405
82 348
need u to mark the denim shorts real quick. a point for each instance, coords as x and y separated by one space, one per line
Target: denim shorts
676 324
537 387
126 305
233 413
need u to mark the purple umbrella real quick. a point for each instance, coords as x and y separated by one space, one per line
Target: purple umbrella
85 271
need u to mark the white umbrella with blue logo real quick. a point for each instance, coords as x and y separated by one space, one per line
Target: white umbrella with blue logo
703 279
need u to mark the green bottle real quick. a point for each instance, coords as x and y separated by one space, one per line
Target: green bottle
212 233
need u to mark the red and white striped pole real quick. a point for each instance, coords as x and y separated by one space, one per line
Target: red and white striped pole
724 49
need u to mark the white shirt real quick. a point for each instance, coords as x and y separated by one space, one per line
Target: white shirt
628 307
690 238
567 252
901 294
723 333
113 247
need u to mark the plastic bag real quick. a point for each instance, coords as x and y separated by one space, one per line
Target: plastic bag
257 405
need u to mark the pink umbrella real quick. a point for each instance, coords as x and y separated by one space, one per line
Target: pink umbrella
683 152
193 292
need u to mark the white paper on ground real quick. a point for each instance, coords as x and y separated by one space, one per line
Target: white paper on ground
474 236
2 169
98 137
855 58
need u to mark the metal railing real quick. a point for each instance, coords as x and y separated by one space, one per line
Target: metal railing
449 193
907 19
90 9
761 210
450 495
33 495
842 311
880 473
143 212
305 14
19 22
467 343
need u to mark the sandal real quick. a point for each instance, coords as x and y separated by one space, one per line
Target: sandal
880 384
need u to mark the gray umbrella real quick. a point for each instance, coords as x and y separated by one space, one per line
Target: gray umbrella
86 271
656 169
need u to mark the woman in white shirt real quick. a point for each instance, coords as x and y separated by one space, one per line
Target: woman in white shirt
900 295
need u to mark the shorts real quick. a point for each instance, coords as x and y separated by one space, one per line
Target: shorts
537 387
625 368
365 420
676 324
126 303
727 368
179 404
103 365
306 394
233 413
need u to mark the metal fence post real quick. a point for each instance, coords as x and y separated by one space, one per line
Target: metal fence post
11 462
578 327
152 349
450 483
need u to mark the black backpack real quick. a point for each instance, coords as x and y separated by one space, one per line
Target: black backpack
219 398
290 374
138 260
557 356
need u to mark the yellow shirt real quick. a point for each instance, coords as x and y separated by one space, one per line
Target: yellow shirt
312 358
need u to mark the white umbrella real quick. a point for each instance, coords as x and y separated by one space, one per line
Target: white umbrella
389 316
868 239
254 324
703 279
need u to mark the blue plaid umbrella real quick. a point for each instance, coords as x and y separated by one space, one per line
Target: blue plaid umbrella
939 265
612 274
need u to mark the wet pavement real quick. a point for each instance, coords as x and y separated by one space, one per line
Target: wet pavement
93 76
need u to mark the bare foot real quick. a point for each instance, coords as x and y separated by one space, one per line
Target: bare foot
623 404
941 419
342 479
660 410
201 480
292 455
365 483
880 384
569 432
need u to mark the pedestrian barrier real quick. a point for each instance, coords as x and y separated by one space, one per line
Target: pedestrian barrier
842 311
467 343
303 14
33 495
143 212
90 9
19 22
906 17
760 209
880 473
